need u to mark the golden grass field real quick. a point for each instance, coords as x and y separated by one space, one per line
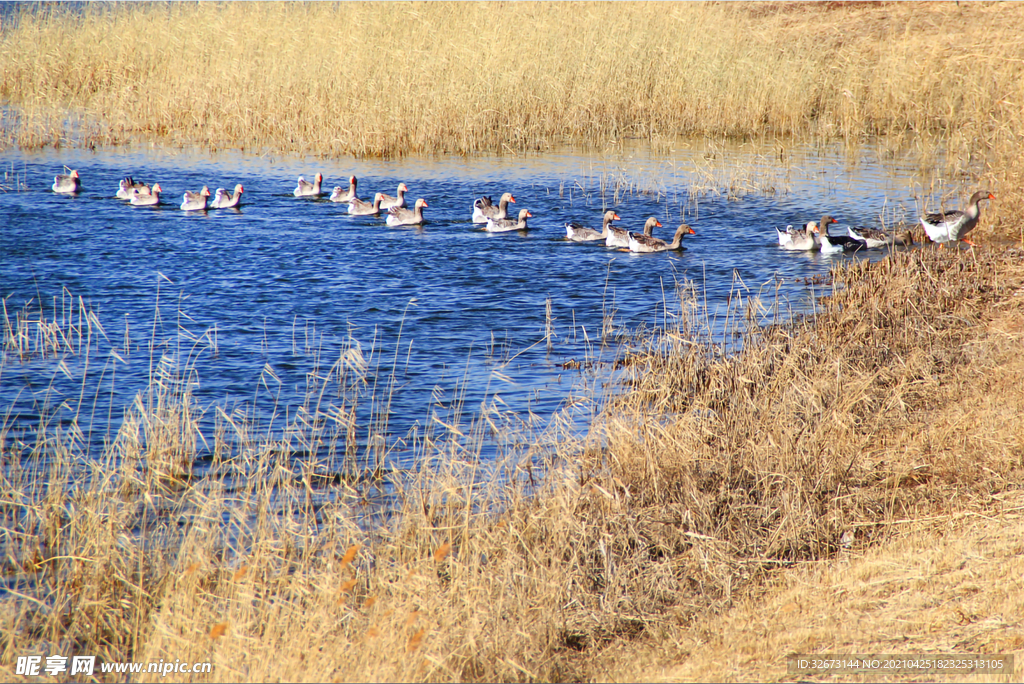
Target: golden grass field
847 484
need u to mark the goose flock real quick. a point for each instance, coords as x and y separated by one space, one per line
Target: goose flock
941 227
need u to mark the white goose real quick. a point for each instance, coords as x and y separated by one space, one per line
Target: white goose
953 226
127 187
387 201
505 225
141 200
805 240
358 207
222 200
195 201
483 209
787 234
307 189
345 195
646 243
400 216
67 184
619 237
579 233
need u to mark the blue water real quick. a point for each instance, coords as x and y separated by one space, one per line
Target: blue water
285 286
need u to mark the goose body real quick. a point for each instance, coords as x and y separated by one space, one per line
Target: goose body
639 242
619 237
345 195
953 226
307 189
483 209
579 233
505 225
195 201
387 201
789 232
804 241
401 216
873 238
358 207
140 200
834 244
222 200
127 187
67 184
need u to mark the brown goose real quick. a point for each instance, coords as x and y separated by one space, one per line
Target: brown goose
140 200
953 226
387 201
400 216
619 237
483 209
505 225
646 243
127 187
358 207
195 201
307 189
345 195
222 200
67 184
579 233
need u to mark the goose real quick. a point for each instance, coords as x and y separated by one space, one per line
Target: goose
483 209
387 201
195 201
787 234
400 216
504 225
307 189
646 243
127 185
805 240
358 207
342 195
222 200
873 238
141 200
578 233
67 184
953 226
619 237
833 244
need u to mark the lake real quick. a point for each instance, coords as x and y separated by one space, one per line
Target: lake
437 319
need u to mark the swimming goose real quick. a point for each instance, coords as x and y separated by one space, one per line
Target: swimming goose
358 207
342 195
483 209
127 185
647 243
307 189
141 200
222 200
195 201
67 184
387 201
805 240
787 234
953 226
578 233
504 225
400 216
619 237
833 244
873 238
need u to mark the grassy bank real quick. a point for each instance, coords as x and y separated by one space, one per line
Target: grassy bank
703 479
386 79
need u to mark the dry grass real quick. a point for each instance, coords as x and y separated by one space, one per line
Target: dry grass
699 483
387 79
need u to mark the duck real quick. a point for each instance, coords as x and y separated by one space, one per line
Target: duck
127 185
387 201
953 226
342 195
483 209
805 240
505 225
579 233
873 238
222 200
619 237
639 242
400 216
141 200
68 184
307 189
195 201
358 207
